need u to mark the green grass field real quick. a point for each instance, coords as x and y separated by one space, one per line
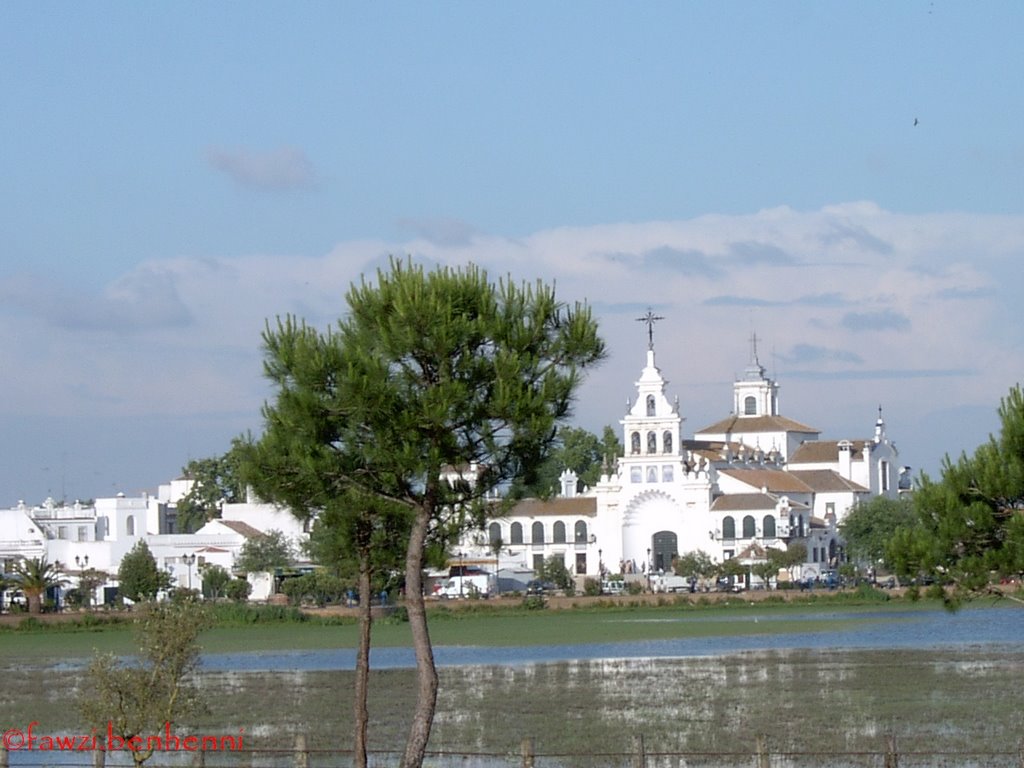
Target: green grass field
483 625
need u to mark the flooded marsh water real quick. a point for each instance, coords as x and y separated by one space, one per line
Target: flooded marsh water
955 687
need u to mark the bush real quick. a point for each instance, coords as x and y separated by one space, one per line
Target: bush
184 595
214 580
591 587
397 615
534 602
865 591
244 613
296 589
634 587
935 592
319 587
237 589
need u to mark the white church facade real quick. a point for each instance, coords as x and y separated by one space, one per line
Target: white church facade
754 481
751 482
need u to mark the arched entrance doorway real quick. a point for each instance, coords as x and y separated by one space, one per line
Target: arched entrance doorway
664 549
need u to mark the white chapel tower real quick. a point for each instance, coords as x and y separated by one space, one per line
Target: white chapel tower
657 504
755 394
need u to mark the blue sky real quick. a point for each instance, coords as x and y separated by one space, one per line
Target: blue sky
171 175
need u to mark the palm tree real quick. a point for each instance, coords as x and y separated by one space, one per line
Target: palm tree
35 576
6 582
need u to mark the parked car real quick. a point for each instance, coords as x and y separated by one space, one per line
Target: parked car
670 583
538 587
613 587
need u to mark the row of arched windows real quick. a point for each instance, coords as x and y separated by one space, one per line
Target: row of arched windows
749 527
652 442
537 533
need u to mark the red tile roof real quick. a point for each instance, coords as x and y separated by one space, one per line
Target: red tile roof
736 423
774 480
579 506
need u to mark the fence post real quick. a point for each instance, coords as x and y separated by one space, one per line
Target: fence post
4 758
527 751
1020 753
301 751
639 754
892 757
763 760
99 754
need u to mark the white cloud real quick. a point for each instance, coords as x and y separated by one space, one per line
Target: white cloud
881 320
279 169
825 305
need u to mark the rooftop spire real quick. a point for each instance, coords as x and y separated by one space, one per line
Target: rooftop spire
650 318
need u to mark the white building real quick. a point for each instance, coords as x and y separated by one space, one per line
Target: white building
97 536
753 481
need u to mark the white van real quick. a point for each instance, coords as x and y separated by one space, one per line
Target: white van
470 585
613 587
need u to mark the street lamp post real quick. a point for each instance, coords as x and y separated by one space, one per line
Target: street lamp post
82 563
649 566
462 571
189 560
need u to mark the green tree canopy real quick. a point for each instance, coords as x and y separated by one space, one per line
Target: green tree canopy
237 589
138 577
215 578
89 579
793 555
435 389
266 552
868 529
553 569
215 481
696 563
733 567
969 527
363 532
577 450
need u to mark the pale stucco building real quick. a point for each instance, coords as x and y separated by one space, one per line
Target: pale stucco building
752 481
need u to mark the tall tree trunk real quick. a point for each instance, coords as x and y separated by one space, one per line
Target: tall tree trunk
361 711
426 672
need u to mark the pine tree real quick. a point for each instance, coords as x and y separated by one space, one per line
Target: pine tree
138 576
435 389
969 529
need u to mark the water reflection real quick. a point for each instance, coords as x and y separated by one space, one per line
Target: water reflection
980 626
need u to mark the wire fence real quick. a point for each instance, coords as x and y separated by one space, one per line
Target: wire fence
757 754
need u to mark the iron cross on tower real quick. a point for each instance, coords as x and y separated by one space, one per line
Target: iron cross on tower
753 348
650 318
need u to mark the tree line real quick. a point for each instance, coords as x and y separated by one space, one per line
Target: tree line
960 534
